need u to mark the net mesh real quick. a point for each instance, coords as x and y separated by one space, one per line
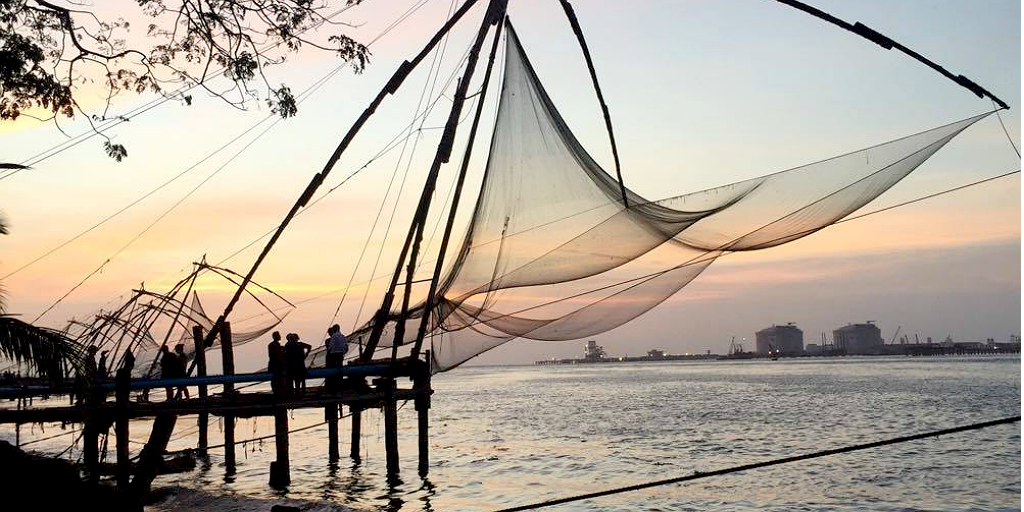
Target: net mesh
551 253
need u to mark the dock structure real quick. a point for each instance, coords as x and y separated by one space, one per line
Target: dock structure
348 387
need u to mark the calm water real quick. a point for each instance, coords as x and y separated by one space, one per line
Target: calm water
504 436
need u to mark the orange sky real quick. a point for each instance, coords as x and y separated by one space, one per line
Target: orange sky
719 101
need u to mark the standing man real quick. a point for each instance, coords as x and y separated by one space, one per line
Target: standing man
276 363
295 353
168 369
179 352
337 346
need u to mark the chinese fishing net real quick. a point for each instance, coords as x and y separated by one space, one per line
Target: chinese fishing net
551 253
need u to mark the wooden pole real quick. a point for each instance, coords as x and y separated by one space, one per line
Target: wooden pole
280 472
121 394
331 416
357 424
422 385
390 88
428 306
152 456
228 361
386 386
570 14
204 418
495 12
90 448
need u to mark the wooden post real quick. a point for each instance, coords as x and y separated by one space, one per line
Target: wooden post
331 416
91 449
280 472
228 362
204 418
422 384
121 393
357 425
152 456
387 387
227 356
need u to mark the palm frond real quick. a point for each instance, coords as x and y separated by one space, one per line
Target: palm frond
41 349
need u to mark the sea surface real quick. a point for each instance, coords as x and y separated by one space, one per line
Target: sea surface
512 435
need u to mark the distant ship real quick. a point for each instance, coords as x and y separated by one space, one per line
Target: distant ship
736 352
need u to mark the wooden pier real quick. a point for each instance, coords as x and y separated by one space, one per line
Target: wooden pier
358 386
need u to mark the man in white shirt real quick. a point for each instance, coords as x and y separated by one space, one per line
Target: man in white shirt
336 347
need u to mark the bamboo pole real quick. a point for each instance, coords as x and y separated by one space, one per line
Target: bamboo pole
331 416
200 358
357 424
410 249
390 88
228 362
124 463
450 224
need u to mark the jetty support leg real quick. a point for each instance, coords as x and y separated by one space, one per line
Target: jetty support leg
357 425
228 360
280 471
204 418
152 456
387 388
421 382
331 416
124 463
91 449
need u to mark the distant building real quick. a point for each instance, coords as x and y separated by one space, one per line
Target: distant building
656 354
858 338
780 339
593 351
813 348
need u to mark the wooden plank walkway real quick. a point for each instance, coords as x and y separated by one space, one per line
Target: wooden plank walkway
240 405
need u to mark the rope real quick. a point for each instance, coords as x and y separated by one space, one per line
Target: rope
697 259
1007 132
905 203
302 97
871 35
434 71
763 464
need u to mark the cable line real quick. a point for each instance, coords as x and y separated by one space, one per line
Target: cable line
146 107
763 464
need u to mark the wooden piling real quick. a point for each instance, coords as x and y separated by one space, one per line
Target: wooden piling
151 457
331 417
91 449
280 472
386 386
122 394
204 418
228 363
357 425
421 382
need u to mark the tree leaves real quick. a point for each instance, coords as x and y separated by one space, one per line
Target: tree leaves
49 53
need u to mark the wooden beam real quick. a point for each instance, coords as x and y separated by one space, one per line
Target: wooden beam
410 249
124 463
387 388
331 416
428 306
357 425
390 88
228 362
151 457
280 471
200 357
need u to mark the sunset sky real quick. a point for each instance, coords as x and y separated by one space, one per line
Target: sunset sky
701 94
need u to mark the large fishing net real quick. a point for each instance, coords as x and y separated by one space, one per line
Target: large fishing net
552 253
